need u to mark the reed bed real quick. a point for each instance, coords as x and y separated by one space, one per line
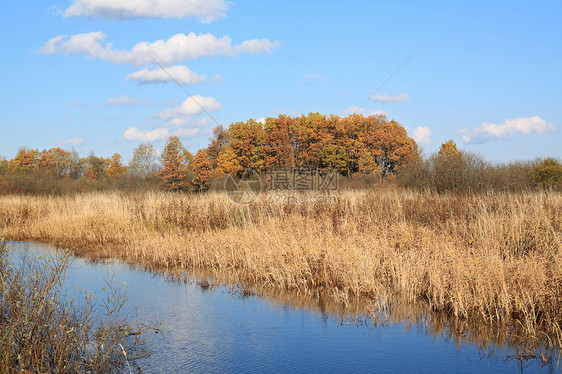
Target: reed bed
491 258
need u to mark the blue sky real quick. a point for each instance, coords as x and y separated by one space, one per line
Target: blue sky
82 73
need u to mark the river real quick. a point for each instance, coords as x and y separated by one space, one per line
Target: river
217 330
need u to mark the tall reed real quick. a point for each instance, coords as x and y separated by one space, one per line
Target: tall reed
491 257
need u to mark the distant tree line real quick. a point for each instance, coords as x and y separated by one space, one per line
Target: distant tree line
355 146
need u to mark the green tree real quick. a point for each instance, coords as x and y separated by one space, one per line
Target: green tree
334 158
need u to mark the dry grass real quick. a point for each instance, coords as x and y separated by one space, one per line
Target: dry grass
494 258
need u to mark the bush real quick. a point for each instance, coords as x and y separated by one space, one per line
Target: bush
468 172
42 329
547 173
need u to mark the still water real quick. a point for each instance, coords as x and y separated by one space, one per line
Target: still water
216 330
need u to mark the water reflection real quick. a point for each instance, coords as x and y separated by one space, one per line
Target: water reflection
212 326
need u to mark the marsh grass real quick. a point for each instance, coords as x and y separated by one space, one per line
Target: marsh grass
44 328
491 258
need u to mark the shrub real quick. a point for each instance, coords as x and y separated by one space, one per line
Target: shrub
547 173
42 328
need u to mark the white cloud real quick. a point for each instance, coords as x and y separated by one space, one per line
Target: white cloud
176 49
134 133
402 98
187 132
206 10
511 127
192 106
124 101
261 120
71 141
366 112
178 73
179 121
422 134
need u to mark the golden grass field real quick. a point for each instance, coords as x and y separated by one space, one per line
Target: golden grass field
493 258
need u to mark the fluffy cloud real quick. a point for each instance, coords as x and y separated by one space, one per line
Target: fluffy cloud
511 127
162 133
192 106
134 133
366 112
124 101
176 49
422 134
187 132
178 73
206 10
402 98
71 141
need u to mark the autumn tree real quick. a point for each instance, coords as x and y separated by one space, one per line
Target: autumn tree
281 143
187 157
96 167
144 160
174 169
203 171
389 144
55 160
115 167
26 160
217 143
547 173
227 162
449 149
334 158
246 140
3 165
449 168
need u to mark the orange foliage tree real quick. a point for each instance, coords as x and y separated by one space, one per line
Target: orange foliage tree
174 168
97 167
202 168
25 160
115 168
247 140
353 144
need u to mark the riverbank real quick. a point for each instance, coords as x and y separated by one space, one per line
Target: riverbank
494 258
